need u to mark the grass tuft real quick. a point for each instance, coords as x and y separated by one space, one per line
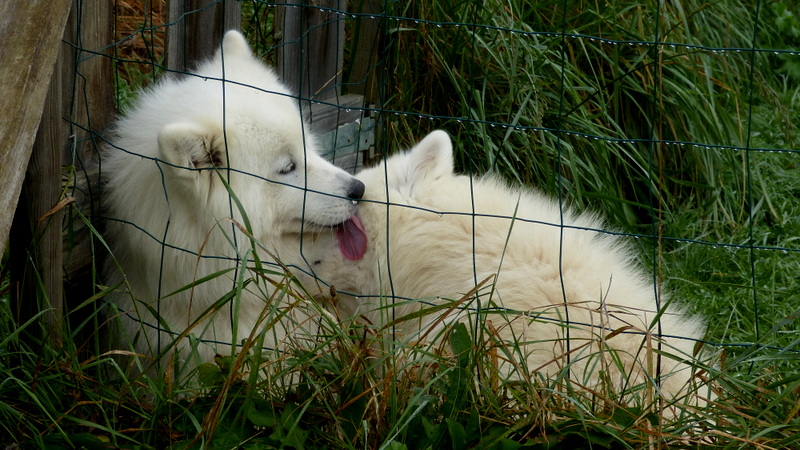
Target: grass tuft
689 144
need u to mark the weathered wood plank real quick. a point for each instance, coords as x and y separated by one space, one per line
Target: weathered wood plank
310 61
312 47
198 26
342 128
79 100
361 76
89 94
328 115
42 193
345 146
31 32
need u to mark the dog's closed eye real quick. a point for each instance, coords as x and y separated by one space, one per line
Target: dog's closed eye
289 168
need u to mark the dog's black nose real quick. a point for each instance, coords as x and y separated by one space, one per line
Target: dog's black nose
356 190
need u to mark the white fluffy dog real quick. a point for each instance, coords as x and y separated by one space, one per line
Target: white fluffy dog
199 159
434 235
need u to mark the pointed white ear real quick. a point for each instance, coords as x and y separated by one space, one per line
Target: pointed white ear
432 157
234 44
188 145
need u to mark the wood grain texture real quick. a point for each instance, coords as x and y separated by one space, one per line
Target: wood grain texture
312 48
42 193
199 26
88 98
31 33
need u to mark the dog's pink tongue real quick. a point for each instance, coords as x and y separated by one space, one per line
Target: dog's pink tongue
352 238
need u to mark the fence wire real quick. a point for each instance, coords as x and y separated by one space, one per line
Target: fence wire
676 122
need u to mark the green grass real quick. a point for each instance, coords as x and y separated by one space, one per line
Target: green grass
504 96
531 107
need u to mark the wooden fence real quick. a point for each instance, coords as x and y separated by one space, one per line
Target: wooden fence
57 101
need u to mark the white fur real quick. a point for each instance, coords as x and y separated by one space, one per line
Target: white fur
164 177
437 221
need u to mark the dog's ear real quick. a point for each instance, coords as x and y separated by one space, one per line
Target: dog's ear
186 145
432 157
235 45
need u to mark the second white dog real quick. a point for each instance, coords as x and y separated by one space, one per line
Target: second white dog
573 294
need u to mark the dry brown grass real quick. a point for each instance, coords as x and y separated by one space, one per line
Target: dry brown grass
141 33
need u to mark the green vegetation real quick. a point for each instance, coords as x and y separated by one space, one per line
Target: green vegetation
691 146
578 114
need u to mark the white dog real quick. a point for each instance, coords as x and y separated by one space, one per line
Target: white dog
434 235
197 161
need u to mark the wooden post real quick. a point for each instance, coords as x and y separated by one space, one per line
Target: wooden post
312 47
27 88
31 32
43 190
310 61
197 30
365 68
361 76
81 93
88 90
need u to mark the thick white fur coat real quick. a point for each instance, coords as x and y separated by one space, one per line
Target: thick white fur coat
173 221
442 233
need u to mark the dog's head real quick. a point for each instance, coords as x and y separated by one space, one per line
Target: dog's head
241 147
